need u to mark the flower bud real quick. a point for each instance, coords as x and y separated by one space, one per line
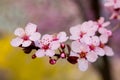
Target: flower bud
52 61
33 56
63 46
63 55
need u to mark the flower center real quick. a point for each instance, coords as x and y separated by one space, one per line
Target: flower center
101 45
45 47
92 47
25 37
83 55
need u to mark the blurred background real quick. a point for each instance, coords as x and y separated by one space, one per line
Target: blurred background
52 16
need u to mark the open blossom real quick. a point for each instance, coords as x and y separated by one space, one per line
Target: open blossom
83 53
25 37
114 5
88 46
49 43
87 28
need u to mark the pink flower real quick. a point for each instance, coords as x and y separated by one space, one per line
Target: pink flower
47 46
105 33
114 5
25 37
82 51
87 28
49 43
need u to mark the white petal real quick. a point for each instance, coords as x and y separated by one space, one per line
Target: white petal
99 51
26 43
91 56
108 4
54 45
62 37
16 42
74 54
86 39
103 38
19 32
74 37
82 64
37 43
76 46
30 28
40 53
46 39
35 36
95 41
50 53
75 30
108 51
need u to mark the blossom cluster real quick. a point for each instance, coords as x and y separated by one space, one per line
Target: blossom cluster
114 5
88 42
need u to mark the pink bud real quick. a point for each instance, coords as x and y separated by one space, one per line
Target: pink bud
33 56
52 61
63 46
63 55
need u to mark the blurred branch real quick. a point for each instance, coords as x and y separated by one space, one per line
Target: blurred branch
116 27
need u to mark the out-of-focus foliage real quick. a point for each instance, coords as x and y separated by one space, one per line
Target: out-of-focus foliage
19 66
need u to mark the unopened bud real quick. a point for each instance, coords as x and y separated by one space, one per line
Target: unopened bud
52 61
63 46
63 55
33 56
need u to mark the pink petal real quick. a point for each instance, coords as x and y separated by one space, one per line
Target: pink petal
35 36
74 37
50 53
99 51
86 39
54 45
75 30
76 46
95 41
74 54
106 24
62 37
82 64
104 38
19 32
108 4
46 39
108 51
40 53
30 28
101 20
91 56
102 30
16 42
26 43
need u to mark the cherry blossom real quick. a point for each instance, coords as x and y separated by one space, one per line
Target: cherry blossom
87 28
49 43
82 51
88 42
25 37
114 5
47 46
